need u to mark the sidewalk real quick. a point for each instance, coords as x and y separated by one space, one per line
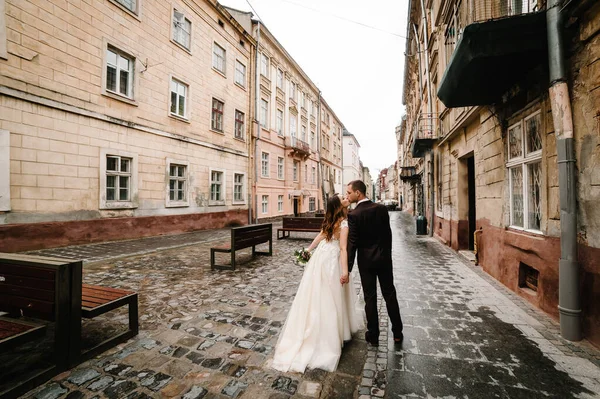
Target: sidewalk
211 334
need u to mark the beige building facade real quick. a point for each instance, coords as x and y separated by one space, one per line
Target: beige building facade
123 119
331 151
493 178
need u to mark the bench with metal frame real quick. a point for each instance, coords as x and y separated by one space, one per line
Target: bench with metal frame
299 224
244 237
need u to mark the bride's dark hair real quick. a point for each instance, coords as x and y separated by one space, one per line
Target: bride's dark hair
333 216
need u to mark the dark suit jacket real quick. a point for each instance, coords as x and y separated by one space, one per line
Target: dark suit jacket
370 235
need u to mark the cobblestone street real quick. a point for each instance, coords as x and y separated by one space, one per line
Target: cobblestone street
208 334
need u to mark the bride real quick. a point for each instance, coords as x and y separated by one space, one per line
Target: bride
323 314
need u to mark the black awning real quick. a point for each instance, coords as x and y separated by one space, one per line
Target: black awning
490 57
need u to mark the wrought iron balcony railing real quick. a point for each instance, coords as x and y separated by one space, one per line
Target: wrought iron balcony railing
299 147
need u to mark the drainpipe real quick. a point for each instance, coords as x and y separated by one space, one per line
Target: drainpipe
257 118
430 111
569 303
320 169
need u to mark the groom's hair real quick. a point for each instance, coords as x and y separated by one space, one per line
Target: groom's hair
358 185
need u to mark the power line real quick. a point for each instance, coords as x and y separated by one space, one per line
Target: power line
248 1
336 16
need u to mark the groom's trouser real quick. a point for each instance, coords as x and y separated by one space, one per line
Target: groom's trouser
369 279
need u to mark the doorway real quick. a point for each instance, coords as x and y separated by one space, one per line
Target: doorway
296 206
472 213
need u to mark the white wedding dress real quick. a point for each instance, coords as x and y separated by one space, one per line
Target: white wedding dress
323 314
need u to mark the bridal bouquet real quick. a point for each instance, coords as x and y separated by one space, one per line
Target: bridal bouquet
302 256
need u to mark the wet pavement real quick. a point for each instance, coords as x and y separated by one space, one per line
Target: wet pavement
211 334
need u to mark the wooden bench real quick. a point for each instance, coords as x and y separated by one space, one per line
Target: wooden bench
51 289
311 225
39 289
244 237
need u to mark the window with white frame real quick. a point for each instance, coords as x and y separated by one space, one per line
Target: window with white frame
312 140
264 113
264 164
525 172
265 204
280 79
280 203
182 29
295 171
177 183
293 91
218 58
311 204
217 192
118 178
303 99
279 122
240 73
119 72
239 124
303 133
238 187
264 65
305 173
280 168
313 177
179 92
131 5
313 107
293 125
217 115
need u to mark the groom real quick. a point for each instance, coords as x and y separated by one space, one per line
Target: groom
371 236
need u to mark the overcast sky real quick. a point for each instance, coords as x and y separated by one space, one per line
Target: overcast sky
358 69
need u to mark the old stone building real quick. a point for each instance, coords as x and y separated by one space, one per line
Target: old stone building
351 158
124 119
288 178
483 144
331 150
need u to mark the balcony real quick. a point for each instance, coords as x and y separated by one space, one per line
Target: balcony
491 45
298 147
426 133
409 174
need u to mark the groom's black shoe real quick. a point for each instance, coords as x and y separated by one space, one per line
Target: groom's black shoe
370 339
398 338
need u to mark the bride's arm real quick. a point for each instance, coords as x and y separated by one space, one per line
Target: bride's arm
344 255
316 241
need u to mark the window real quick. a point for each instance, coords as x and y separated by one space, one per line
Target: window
118 185
295 170
240 73
303 99
305 173
238 188
217 194
264 164
239 125
265 204
313 177
303 133
219 58
217 115
177 182
264 65
182 29
118 178
178 98
131 5
279 122
312 140
264 113
311 204
293 125
119 73
525 172
313 110
280 168
280 79
293 91
280 203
